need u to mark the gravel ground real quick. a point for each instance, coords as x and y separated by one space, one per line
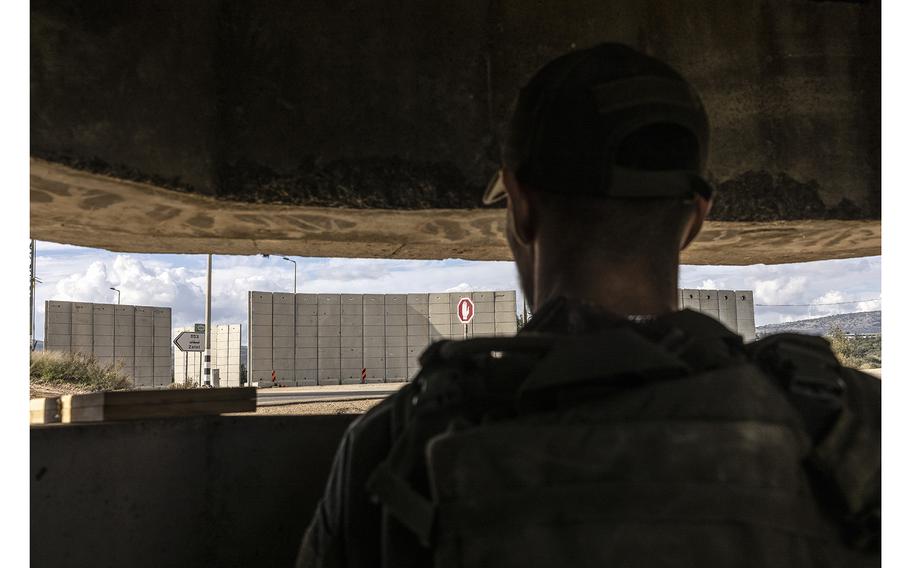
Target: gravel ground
339 407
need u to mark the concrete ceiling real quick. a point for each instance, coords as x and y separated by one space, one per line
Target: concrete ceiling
348 129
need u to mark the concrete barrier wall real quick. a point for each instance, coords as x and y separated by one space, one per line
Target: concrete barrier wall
139 337
733 308
330 339
212 491
225 356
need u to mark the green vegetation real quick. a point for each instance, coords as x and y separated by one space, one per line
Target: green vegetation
84 372
859 352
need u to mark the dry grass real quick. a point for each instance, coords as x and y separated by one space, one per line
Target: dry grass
75 372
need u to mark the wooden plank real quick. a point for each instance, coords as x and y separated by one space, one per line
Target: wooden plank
44 410
130 405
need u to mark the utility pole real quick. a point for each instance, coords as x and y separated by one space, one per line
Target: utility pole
295 271
207 368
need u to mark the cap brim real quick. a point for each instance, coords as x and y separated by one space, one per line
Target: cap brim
496 190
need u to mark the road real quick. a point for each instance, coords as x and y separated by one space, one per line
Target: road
293 395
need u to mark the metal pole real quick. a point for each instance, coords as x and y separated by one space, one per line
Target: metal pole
295 271
207 368
525 302
31 302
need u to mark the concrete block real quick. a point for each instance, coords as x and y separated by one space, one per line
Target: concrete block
54 306
396 358
485 317
282 320
485 328
261 363
103 351
145 321
81 329
352 363
308 340
328 376
421 341
282 331
121 321
58 329
482 297
261 298
103 319
328 341
690 299
396 299
395 320
483 308
374 341
353 341
416 319
504 296
417 299
81 342
307 300
352 300
708 303
396 374
418 310
282 342
352 352
307 321
375 375
374 310
282 299
355 321
260 331
374 362
395 309
727 308
440 309
414 351
396 341
331 320
457 329
329 299
305 353
307 310
124 350
144 351
373 331
329 331
162 363
329 310
144 331
264 343
282 353
419 332
57 340
257 318
373 321
59 318
439 298
144 361
396 331
373 299
504 317
328 355
373 352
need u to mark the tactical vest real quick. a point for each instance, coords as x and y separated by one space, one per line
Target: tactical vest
617 449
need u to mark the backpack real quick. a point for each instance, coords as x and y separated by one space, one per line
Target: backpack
621 449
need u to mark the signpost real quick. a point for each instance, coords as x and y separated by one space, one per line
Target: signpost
190 341
465 311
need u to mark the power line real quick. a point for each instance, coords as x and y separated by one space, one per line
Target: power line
818 304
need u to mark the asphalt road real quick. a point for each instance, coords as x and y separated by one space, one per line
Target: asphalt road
293 395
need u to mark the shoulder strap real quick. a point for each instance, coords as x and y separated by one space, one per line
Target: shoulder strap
846 455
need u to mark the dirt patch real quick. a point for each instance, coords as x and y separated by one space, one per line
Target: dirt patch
49 391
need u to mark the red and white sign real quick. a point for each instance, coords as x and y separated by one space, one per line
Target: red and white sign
465 310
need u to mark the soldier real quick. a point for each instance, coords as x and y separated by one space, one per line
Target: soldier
614 429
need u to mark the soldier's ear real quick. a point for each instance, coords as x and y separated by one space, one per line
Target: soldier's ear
521 209
697 219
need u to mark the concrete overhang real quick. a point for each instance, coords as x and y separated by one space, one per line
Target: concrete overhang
360 130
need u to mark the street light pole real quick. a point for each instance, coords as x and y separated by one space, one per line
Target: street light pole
207 369
118 295
295 271
31 302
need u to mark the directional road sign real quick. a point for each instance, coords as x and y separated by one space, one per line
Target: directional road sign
465 310
190 341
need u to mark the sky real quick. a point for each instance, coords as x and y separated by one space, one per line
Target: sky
177 281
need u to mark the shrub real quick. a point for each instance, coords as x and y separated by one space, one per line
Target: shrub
76 369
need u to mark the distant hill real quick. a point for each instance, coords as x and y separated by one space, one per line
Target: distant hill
857 322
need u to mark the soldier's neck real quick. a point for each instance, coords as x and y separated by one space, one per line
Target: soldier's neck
624 291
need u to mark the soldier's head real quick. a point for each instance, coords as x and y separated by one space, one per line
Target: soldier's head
602 165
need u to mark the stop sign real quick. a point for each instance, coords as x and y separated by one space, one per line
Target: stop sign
465 310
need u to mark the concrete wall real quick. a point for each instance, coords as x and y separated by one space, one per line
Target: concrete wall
139 337
212 491
225 357
311 339
733 308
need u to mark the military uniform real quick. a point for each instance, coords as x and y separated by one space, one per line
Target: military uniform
598 440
